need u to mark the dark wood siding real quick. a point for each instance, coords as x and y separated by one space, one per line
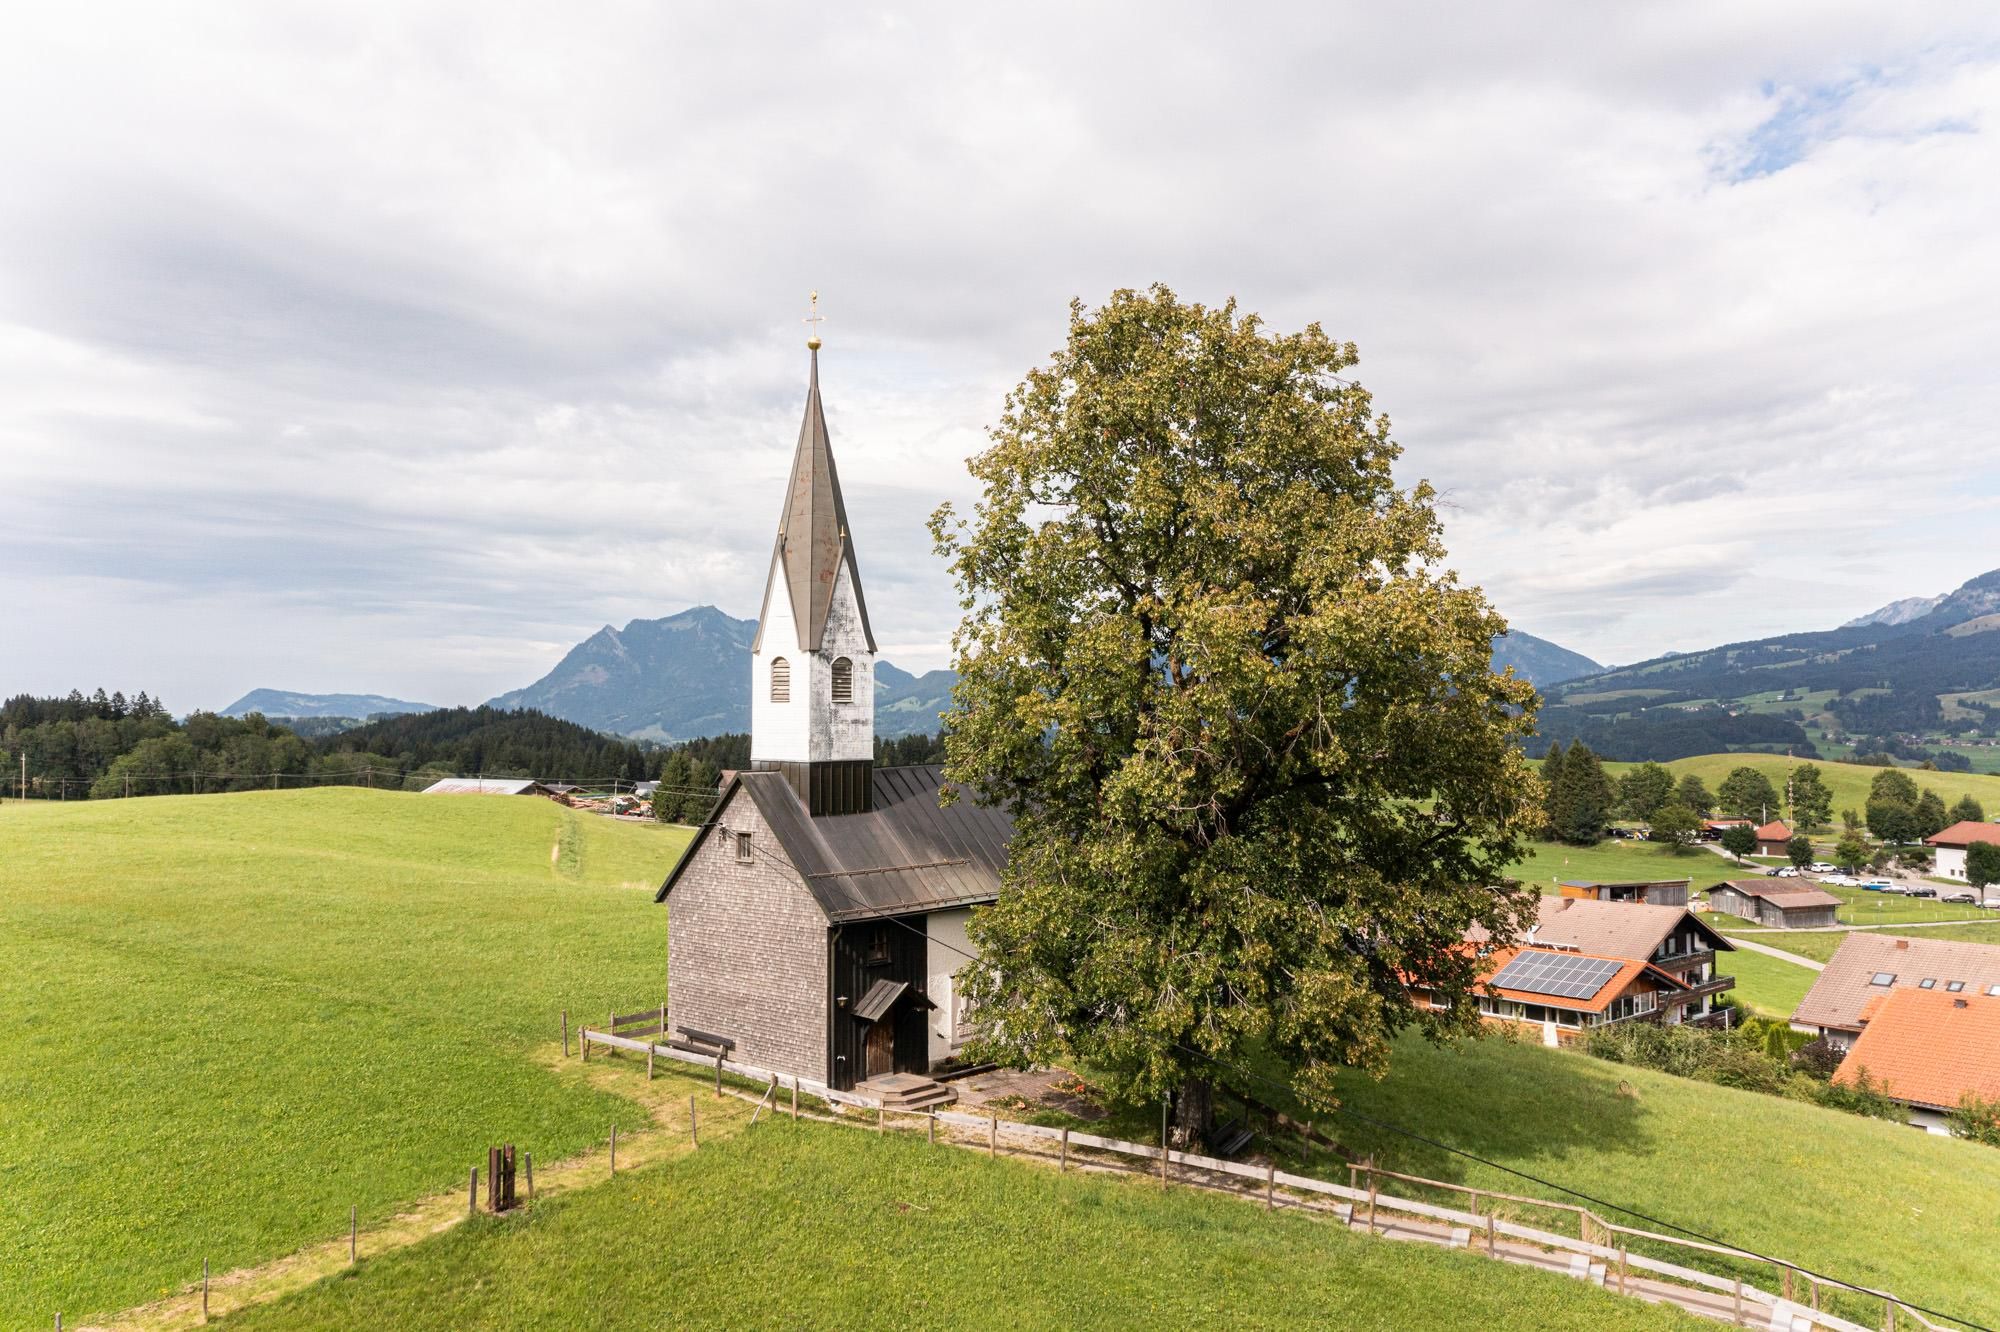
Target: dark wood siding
842 786
863 952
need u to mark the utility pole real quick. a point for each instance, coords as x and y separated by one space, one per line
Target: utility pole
24 774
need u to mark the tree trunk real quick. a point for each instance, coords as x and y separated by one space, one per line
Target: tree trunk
1193 1115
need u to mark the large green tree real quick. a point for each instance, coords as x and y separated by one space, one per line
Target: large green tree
1674 825
1261 772
1748 794
1982 863
1581 802
1812 799
1968 810
1642 790
1892 820
1931 818
1694 793
1739 840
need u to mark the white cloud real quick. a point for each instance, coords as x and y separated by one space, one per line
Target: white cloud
395 347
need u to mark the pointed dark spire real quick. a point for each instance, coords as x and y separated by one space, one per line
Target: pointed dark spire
812 535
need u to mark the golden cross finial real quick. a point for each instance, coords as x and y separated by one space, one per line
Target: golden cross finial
812 321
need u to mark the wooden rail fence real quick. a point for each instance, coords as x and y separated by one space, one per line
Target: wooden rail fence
1601 1251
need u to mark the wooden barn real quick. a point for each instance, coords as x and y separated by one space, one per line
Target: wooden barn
818 919
1783 904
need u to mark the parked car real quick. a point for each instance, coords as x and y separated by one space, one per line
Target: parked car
1788 871
1771 873
1821 867
1840 881
1921 892
1964 899
1878 886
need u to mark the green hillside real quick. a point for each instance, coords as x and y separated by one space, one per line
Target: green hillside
1848 781
232 1016
816 1226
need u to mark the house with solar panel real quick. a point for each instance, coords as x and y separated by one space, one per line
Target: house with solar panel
1585 962
816 924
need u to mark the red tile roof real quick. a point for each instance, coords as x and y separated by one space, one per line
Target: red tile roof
1841 992
1965 832
1629 970
1928 1047
1774 831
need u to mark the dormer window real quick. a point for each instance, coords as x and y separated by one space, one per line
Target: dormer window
1883 978
843 680
781 680
1927 983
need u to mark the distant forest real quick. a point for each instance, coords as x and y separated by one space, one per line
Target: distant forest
103 745
1664 734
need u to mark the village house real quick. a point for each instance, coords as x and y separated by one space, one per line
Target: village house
817 921
1927 1049
1628 960
1953 842
1868 966
1783 904
1772 838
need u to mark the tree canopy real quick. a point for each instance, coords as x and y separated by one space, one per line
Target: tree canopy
1262 774
1739 840
1643 789
1747 793
1579 797
1812 799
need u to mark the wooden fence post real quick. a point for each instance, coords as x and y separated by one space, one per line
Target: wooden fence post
1736 1309
1788 1282
649 1063
795 1096
1062 1163
1492 1247
993 1136
1270 1183
1621 1266
932 1117
1373 1186
663 1022
1888 1314
565 1026
614 1149
718 1075
880 1116
583 1044
531 1176
472 1193
1163 1143
353 1234
204 1290
694 1129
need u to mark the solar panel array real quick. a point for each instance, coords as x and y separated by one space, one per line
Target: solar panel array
1563 975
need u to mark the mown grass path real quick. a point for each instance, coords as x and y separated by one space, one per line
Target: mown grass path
232 1017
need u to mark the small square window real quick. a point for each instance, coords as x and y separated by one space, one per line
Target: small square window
1927 983
1954 986
1883 978
743 848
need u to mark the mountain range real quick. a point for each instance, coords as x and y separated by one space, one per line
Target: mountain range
285 703
1923 666
687 675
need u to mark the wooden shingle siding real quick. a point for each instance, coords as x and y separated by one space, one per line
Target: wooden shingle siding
747 950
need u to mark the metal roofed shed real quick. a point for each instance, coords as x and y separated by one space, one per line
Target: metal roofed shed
486 786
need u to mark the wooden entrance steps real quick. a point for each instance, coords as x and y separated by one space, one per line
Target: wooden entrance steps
906 1091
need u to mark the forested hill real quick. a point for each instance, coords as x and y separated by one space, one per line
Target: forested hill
1938 674
496 743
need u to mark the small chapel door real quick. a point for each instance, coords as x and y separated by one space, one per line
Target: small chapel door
881 1052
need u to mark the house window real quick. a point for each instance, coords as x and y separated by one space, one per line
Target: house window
843 680
781 680
1954 986
743 848
1883 978
878 949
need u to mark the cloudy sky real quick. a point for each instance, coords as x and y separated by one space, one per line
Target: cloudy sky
395 348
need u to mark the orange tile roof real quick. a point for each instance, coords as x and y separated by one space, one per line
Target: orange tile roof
1774 831
1842 990
1965 832
1928 1047
1629 970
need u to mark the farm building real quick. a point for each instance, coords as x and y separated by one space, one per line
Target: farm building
1672 952
487 786
1953 843
1566 992
1784 904
1711 829
818 919
1662 892
1772 837
1867 966
1928 1048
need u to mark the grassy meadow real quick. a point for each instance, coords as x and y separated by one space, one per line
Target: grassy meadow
1866 1200
817 1226
232 1016
1767 986
1848 781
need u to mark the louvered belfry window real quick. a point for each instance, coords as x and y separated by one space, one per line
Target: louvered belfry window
843 680
781 680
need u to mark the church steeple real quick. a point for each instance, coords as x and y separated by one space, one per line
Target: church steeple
812 665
